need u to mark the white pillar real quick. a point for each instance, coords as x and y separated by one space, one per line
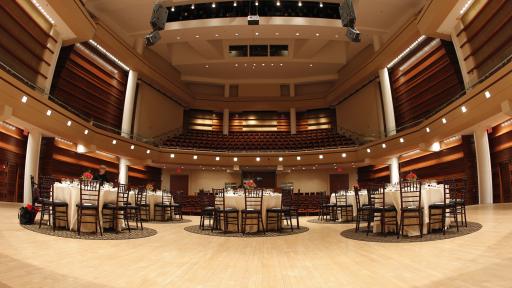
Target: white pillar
123 170
394 171
483 164
225 122
377 42
166 179
31 163
129 100
293 121
387 102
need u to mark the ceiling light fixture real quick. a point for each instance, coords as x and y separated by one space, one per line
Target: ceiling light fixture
487 94
300 3
194 157
86 131
298 158
280 159
172 155
114 141
24 99
427 129
444 120
217 158
172 8
278 3
368 150
321 4
68 123
463 109
132 147
234 3
258 159
343 155
465 7
235 159
213 4
193 6
384 146
402 140
148 151
49 112
320 156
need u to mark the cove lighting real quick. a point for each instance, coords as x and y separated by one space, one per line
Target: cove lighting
9 126
463 109
68 123
41 9
344 155
24 99
106 53
487 94
444 120
172 155
412 46
49 112
465 7
86 131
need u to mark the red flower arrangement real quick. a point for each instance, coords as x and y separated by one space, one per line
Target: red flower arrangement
249 184
411 177
87 176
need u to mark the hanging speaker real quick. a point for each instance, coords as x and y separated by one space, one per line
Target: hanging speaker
159 17
347 13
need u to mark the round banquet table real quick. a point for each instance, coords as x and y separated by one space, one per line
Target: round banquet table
154 197
270 200
351 200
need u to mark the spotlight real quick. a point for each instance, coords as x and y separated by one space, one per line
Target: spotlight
258 159
193 6
280 159
213 4
321 4
402 140
217 158
298 158
234 3
195 157
114 141
368 150
300 3
444 120
68 123
235 159
320 156
278 3
463 109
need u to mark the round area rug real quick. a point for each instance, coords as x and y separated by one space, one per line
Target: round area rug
184 220
316 221
285 232
107 235
391 238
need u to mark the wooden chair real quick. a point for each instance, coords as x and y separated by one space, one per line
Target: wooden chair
225 215
362 210
290 207
176 207
118 210
343 206
437 212
379 210
56 210
253 209
89 205
275 214
327 209
207 208
459 188
134 210
164 205
410 205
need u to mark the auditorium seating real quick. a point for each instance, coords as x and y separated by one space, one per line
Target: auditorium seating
256 141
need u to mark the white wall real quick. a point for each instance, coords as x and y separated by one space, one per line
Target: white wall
362 112
313 180
155 114
208 179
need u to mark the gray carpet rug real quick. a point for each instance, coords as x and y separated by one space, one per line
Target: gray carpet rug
107 235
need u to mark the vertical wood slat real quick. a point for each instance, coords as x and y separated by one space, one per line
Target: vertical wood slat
500 146
12 155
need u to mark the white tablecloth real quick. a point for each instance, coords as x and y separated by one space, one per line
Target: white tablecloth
71 195
271 200
351 200
153 198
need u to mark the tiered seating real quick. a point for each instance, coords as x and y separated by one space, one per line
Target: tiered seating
246 141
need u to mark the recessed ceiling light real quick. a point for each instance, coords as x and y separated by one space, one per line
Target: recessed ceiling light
86 131
217 158
234 3
281 64
384 145
297 34
321 4
463 109
257 3
427 129
132 147
195 157
114 141
236 34
320 156
310 65
148 151
444 120
487 94
178 37
24 99
258 159
68 123
235 159
172 8
205 66
49 112
368 150
236 65
213 4
272 64
336 36
262 64
343 155
278 3
277 33
217 35
257 33
300 3
193 6
172 155
197 36
280 159
402 140
298 158
317 34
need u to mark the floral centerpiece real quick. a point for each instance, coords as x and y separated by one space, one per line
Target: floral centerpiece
411 177
149 187
249 184
87 176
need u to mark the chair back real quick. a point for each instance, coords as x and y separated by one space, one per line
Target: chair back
220 200
253 199
90 192
141 197
341 197
287 198
166 197
122 195
358 197
454 190
410 194
177 197
376 195
45 187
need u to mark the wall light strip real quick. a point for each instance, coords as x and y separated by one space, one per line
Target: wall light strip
41 9
106 53
466 7
402 55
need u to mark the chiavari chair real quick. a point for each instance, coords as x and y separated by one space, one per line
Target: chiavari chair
55 209
164 205
386 214
89 205
207 208
410 205
135 210
362 210
343 206
253 209
118 210
176 207
224 216
437 212
327 209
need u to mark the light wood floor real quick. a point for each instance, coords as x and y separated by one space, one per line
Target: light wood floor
318 258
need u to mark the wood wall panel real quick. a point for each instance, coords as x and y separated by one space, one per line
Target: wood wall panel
13 146
202 120
61 161
316 119
25 46
484 36
259 121
373 174
91 85
500 145
425 80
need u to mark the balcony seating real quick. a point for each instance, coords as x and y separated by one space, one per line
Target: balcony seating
257 141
